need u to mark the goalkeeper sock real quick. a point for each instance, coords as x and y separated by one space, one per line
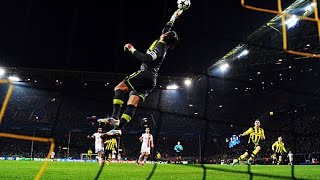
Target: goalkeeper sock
127 115
118 99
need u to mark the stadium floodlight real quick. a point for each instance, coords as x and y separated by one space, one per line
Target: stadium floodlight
172 87
14 78
224 67
309 7
187 82
292 21
243 53
2 72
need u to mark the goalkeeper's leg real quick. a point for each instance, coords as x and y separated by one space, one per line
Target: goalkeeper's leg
130 110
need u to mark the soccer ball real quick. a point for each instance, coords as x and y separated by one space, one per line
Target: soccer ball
184 4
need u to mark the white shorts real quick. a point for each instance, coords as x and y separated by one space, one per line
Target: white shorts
97 149
145 149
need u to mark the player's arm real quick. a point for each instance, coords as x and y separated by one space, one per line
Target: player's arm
274 145
151 141
250 130
263 137
140 138
170 23
152 55
284 149
90 137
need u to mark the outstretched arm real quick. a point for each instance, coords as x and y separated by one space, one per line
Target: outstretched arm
173 18
154 54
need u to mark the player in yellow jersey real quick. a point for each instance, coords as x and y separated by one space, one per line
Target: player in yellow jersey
278 149
256 134
110 143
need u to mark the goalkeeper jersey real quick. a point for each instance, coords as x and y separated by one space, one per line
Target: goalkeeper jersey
153 58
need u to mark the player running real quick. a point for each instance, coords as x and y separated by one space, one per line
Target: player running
256 134
98 145
278 149
110 144
147 143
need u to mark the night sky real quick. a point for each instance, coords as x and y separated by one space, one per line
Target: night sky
89 35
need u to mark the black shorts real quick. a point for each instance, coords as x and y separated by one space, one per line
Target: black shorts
251 147
141 83
277 154
178 154
107 152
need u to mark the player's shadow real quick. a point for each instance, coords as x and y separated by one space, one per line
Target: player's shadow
99 172
152 172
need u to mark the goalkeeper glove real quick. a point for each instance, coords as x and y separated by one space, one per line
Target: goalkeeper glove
129 47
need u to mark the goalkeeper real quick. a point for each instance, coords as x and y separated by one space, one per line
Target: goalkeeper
278 149
256 133
142 82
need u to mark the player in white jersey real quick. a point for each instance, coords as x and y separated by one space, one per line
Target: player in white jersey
98 144
290 156
147 143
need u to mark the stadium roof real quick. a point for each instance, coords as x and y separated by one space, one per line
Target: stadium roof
267 40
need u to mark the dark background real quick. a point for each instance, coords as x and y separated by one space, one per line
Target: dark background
89 35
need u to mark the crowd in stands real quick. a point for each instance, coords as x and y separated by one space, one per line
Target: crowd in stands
68 116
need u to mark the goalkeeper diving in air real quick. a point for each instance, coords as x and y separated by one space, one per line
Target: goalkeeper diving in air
142 82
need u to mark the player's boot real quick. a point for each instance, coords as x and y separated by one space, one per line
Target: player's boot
103 120
249 161
234 162
113 132
114 122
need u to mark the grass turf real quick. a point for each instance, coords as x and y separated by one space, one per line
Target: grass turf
124 171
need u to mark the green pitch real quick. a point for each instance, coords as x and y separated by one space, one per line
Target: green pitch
87 171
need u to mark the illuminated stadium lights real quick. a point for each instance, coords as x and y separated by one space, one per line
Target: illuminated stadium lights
292 21
309 7
13 78
2 72
224 67
243 53
172 87
187 82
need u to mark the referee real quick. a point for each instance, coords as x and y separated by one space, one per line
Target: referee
178 148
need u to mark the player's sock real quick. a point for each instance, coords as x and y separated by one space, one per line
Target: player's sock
145 159
118 99
254 153
140 159
242 157
127 115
